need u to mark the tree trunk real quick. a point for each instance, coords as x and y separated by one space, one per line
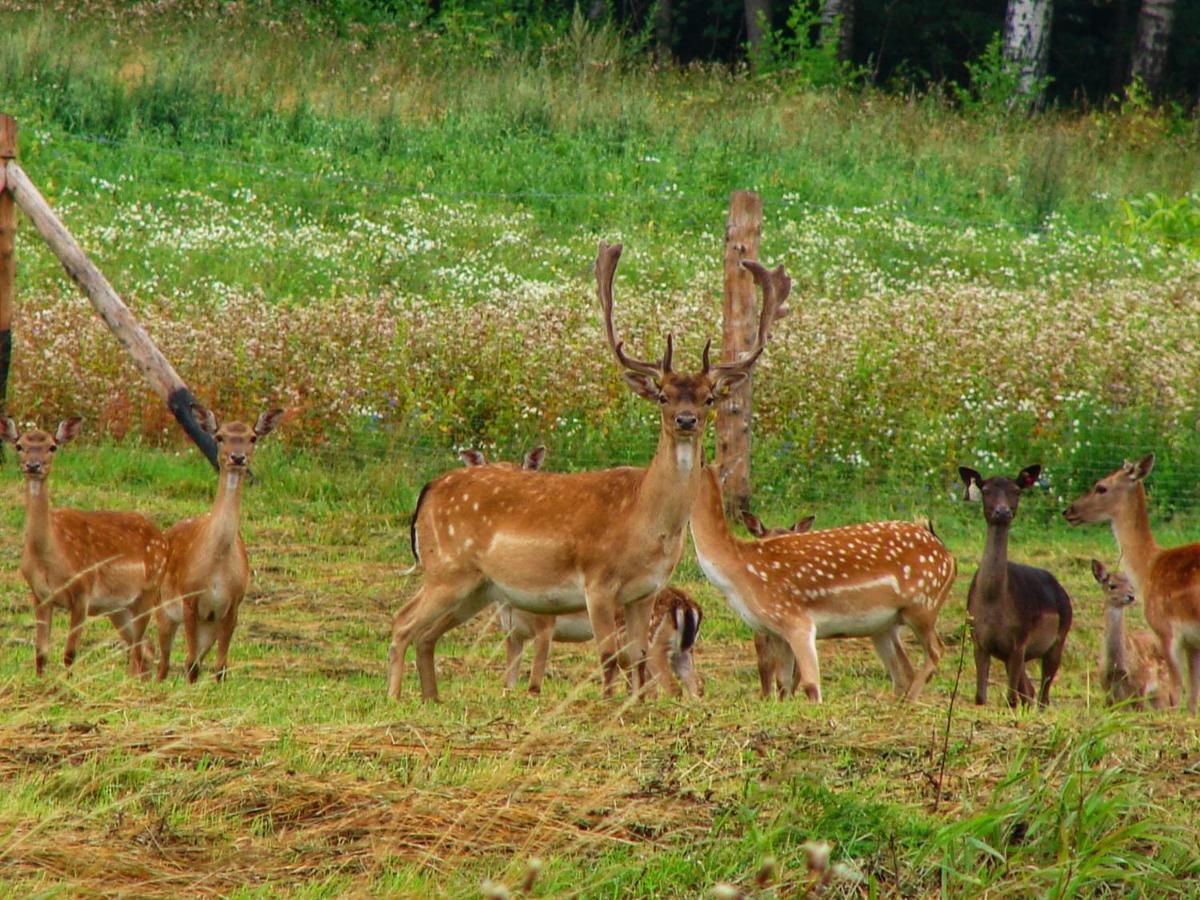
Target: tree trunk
758 14
837 26
1027 46
662 31
1155 20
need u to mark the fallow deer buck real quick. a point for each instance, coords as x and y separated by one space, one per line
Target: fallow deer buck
90 563
1017 612
207 569
1132 666
1167 579
554 543
856 581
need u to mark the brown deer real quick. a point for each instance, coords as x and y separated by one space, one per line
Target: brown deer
1017 612
1132 666
554 543
207 570
755 526
532 462
1167 579
856 581
90 563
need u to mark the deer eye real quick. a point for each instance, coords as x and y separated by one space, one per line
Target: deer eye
19 448
254 438
54 448
710 400
220 439
662 398
1101 489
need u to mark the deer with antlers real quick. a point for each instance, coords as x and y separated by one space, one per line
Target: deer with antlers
554 543
90 563
207 570
1168 579
856 581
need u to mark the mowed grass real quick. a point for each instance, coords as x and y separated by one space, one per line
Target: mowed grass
297 776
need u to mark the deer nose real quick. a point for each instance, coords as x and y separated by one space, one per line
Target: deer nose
1002 514
33 467
238 459
686 421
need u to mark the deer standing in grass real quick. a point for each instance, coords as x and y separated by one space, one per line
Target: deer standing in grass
1132 666
1167 579
1017 612
90 563
857 581
207 569
553 543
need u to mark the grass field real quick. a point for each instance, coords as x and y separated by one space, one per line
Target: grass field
390 233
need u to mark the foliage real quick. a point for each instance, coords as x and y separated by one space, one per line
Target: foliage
1172 220
797 55
994 84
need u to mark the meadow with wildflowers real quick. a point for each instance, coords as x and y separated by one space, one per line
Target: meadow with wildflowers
398 247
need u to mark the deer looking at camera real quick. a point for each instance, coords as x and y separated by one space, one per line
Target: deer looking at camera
207 569
856 581
1132 666
90 563
1167 579
1017 612
554 543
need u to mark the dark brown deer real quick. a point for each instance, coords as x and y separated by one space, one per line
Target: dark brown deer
1132 666
555 543
1017 612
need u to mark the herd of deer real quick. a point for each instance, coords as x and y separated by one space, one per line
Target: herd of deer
587 556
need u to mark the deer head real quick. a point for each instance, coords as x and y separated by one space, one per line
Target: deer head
531 463
755 526
686 400
1118 589
1000 495
36 449
236 440
1109 493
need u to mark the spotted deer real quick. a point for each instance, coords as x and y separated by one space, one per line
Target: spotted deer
1017 612
1167 579
89 563
207 570
553 543
856 581
1132 666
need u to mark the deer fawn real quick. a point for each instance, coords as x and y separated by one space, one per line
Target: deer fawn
90 563
554 543
1017 612
674 626
1168 580
857 581
207 570
1132 666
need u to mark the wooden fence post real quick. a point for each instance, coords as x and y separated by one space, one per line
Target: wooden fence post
743 229
8 264
116 315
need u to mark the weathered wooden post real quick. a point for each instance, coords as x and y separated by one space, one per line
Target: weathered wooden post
116 315
743 229
8 263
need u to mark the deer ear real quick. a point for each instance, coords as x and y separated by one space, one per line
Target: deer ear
804 525
753 524
268 422
9 431
1098 571
472 457
1028 477
973 481
1143 467
205 417
68 430
727 382
642 385
533 459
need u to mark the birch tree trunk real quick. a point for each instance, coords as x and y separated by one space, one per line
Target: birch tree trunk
1155 21
837 26
1027 46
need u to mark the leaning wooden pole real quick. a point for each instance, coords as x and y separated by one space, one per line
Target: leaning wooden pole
8 234
116 315
740 311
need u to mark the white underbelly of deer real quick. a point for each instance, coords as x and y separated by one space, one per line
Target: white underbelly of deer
854 624
573 629
552 600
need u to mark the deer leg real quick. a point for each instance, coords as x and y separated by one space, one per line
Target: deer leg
802 639
906 667
766 667
885 649
925 629
42 613
602 614
1173 657
662 660
1050 663
637 640
426 640
983 668
1193 678
191 664
514 646
140 622
1019 686
78 612
427 607
224 635
123 622
543 634
166 627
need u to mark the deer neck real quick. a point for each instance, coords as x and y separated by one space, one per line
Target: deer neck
1131 528
39 532
225 518
993 567
1114 640
715 543
671 482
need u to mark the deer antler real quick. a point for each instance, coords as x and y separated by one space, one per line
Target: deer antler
606 269
776 285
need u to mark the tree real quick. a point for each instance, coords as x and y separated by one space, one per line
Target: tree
758 15
1027 46
1155 20
837 26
